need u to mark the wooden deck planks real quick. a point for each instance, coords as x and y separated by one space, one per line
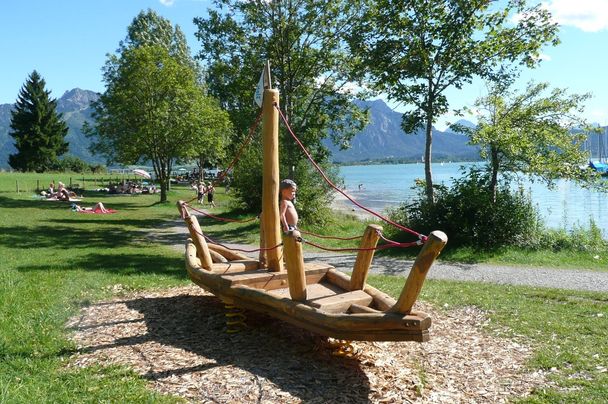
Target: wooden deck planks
264 279
341 302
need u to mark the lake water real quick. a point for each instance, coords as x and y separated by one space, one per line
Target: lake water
388 185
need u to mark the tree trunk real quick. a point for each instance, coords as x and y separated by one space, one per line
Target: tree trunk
163 174
494 179
163 190
201 164
428 174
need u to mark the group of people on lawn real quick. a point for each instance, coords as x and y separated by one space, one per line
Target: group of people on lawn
204 188
60 194
63 194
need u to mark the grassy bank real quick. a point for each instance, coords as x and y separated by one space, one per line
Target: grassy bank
572 255
53 261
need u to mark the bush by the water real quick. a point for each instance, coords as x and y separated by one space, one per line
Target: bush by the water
577 239
467 213
313 196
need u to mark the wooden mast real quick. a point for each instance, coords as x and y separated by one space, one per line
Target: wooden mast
271 224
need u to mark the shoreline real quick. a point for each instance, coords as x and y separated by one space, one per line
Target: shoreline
342 205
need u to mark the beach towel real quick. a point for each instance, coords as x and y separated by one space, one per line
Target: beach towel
98 211
61 200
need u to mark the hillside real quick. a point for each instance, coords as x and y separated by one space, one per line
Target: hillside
383 139
75 107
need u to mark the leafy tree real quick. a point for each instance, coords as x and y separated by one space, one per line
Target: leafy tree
531 132
465 211
211 148
149 28
37 128
414 50
153 109
304 41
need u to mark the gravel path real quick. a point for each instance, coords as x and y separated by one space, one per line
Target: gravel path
174 234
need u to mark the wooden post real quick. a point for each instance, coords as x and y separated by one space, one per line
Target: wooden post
83 185
262 257
424 260
270 186
294 260
364 258
70 182
37 186
17 185
202 250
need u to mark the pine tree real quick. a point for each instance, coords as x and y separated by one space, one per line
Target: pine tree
37 128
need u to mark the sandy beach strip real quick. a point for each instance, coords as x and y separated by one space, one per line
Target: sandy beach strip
343 205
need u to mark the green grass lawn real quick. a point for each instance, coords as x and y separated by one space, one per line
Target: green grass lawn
53 261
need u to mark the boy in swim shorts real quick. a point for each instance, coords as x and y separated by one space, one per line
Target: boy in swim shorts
288 212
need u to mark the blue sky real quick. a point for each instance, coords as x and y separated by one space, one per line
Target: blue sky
66 41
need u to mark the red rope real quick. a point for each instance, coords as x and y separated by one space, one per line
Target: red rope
398 244
222 219
242 148
329 237
331 184
183 213
339 249
391 244
209 239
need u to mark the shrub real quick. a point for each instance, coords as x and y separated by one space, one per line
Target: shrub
466 213
98 168
577 239
73 164
313 196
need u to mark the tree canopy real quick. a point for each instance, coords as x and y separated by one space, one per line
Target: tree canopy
311 67
413 50
37 128
154 108
537 131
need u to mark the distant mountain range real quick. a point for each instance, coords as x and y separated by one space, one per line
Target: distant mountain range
382 140
76 110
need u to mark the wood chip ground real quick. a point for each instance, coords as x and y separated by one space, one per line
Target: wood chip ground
177 340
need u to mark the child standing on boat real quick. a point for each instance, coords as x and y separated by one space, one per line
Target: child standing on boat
289 214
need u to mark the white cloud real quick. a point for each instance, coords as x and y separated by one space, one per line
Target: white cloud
544 57
597 115
167 3
587 15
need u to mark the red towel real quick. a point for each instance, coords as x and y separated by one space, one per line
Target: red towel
98 211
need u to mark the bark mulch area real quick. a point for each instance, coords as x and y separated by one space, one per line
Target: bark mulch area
176 338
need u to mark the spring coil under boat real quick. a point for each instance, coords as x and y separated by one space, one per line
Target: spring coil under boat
235 319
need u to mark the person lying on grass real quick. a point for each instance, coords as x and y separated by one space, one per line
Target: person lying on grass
98 208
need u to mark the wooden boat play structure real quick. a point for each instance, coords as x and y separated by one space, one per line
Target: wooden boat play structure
314 296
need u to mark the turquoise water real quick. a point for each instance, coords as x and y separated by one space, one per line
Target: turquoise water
388 185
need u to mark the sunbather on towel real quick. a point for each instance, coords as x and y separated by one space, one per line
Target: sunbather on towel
98 208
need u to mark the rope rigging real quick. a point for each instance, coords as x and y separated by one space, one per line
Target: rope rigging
212 241
388 243
237 157
332 185
329 237
221 219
